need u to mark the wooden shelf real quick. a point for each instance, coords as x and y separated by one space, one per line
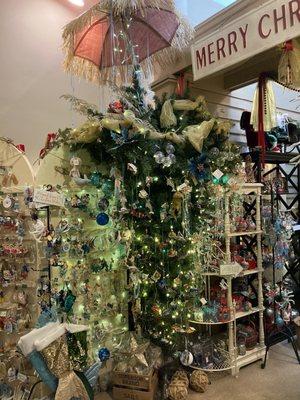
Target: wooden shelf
243 273
211 323
242 314
248 233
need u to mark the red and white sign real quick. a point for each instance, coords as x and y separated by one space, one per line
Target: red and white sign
261 29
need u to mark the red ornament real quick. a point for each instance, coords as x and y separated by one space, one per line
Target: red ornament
21 147
116 107
156 309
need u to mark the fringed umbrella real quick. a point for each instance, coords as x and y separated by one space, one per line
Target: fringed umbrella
104 43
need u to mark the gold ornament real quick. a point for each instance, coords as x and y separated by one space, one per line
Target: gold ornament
196 134
177 204
199 381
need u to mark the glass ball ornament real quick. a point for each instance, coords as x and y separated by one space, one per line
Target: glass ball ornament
102 219
224 180
279 321
95 178
172 157
269 312
215 181
170 148
167 162
214 152
162 284
107 187
186 358
159 156
103 204
103 354
294 314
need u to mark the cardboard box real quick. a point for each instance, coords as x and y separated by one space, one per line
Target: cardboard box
134 381
127 393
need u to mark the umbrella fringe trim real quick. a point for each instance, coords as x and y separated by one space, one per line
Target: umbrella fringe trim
118 74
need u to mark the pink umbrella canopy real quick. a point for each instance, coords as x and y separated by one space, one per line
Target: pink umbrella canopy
113 35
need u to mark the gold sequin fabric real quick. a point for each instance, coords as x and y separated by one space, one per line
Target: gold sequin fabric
71 387
56 356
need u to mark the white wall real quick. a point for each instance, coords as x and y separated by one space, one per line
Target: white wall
31 78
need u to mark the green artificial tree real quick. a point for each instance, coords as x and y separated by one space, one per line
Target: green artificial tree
166 197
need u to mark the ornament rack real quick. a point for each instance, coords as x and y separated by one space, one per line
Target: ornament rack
229 271
18 283
282 199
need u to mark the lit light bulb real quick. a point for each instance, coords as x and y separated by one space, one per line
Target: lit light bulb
79 3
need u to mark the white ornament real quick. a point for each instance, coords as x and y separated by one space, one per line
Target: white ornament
186 358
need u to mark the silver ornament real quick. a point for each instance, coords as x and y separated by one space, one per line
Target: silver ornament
294 314
269 312
186 358
167 162
214 152
170 148
159 156
172 157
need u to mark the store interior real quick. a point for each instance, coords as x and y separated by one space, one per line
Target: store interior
149 213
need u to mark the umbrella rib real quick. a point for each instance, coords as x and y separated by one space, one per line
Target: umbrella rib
87 31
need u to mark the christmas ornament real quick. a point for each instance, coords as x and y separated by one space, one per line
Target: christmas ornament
182 376
116 107
75 163
269 312
294 314
279 321
103 354
95 178
103 204
167 162
199 381
186 358
102 219
159 157
170 149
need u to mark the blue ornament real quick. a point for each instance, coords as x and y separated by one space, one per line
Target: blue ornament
279 321
95 178
103 354
102 219
162 284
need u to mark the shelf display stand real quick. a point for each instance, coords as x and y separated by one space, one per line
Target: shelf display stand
18 274
232 358
282 192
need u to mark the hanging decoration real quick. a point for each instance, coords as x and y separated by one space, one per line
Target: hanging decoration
106 40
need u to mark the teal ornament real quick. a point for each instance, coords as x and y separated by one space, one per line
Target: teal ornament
103 354
279 321
108 187
224 180
95 178
102 219
69 301
215 181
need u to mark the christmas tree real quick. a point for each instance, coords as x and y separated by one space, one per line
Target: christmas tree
170 164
